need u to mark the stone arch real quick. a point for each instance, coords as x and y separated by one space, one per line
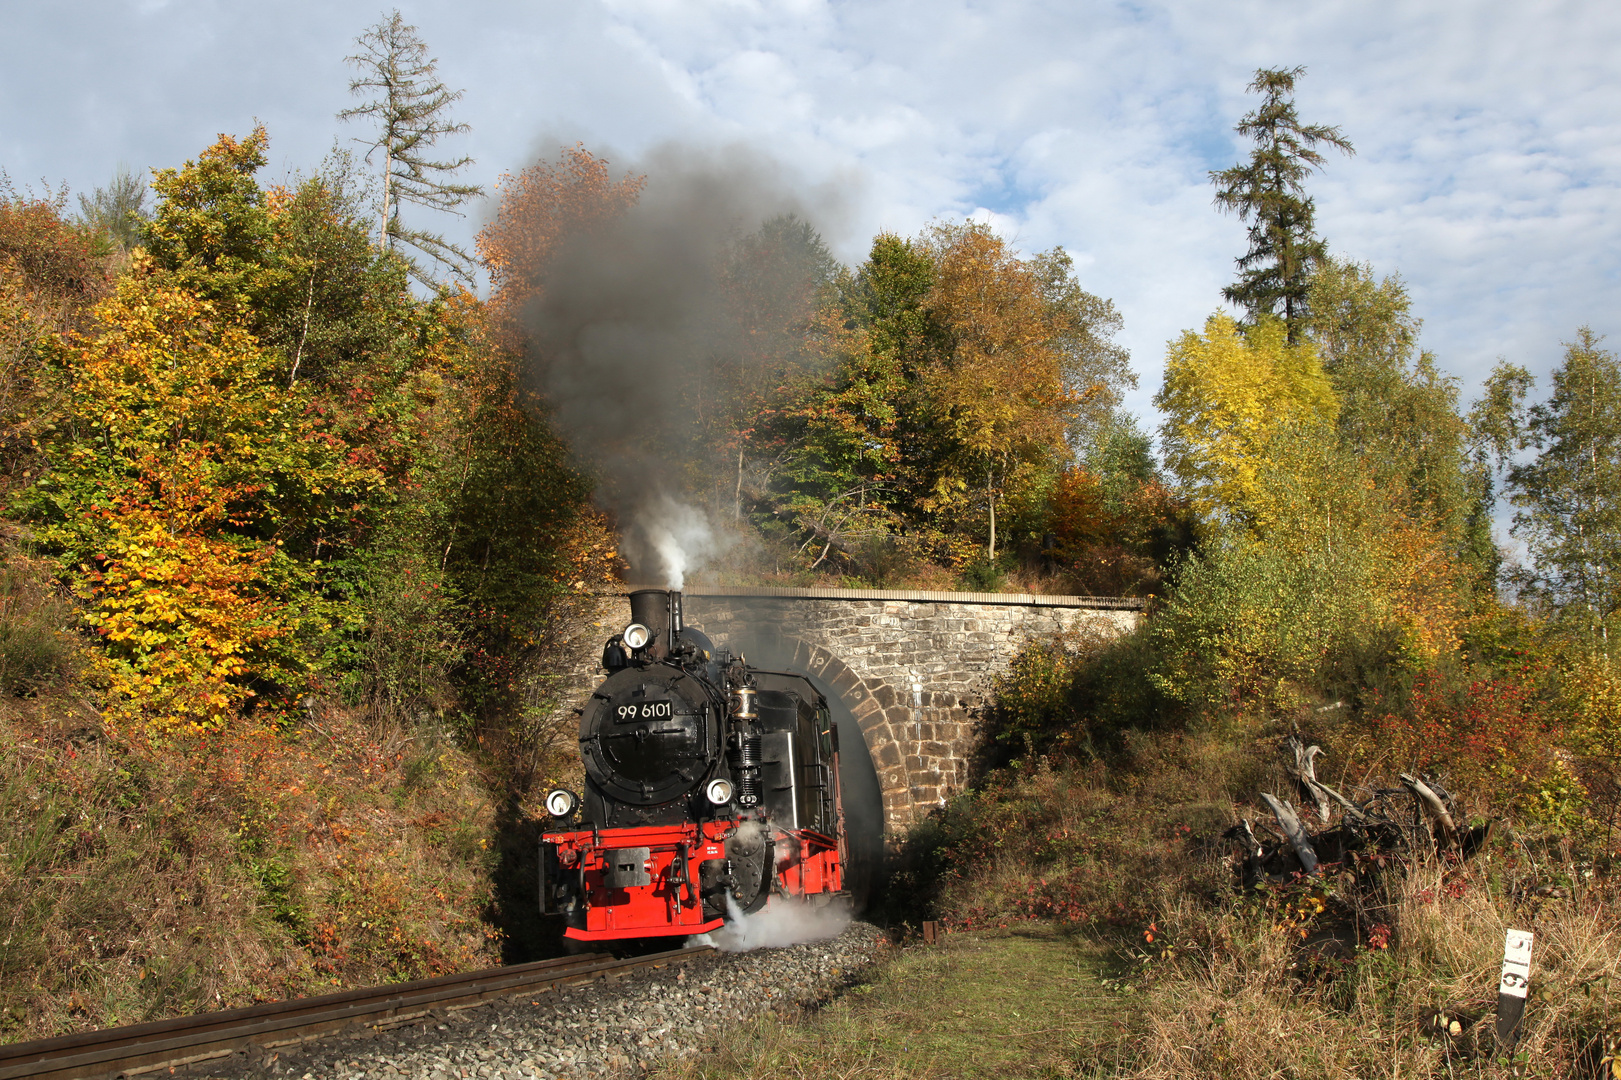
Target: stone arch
915 746
913 668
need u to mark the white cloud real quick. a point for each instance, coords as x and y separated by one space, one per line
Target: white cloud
1488 171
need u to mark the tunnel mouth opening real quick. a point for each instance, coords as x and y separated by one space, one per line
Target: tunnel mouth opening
867 869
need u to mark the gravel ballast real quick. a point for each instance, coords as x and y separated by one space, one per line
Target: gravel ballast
609 1028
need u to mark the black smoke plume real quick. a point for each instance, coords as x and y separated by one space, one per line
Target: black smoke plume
633 319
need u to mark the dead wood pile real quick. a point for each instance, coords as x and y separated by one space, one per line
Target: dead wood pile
1420 817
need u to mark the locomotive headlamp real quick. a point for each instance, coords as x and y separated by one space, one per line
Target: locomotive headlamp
561 803
636 635
719 792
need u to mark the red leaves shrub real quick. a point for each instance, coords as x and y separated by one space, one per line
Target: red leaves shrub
1490 738
56 262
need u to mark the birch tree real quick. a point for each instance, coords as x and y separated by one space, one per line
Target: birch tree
1569 495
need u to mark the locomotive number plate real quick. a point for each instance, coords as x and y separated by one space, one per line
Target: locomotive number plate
647 710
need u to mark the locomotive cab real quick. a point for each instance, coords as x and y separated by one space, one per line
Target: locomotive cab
710 787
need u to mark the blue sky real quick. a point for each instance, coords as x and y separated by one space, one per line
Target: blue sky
1488 170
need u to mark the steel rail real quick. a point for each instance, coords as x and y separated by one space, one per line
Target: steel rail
187 1039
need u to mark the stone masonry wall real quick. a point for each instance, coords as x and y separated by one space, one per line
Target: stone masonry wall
914 668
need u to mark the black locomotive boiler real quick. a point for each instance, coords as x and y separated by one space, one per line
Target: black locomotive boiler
711 789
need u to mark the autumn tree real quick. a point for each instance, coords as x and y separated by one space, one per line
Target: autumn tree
51 260
1569 493
840 447
540 207
779 286
1314 570
295 264
1341 591
957 373
184 465
409 106
1096 368
276 469
1398 412
1268 192
879 400
1112 523
998 397
1227 395
1120 454
1024 355
212 227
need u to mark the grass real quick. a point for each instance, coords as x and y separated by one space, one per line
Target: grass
1099 932
36 646
1029 1000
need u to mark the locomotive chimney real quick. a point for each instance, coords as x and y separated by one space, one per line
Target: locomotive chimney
651 608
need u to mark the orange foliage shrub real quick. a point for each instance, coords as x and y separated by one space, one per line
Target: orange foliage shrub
55 262
1115 547
200 458
50 277
1080 518
183 609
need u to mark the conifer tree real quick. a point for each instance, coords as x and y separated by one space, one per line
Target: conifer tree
409 106
1268 192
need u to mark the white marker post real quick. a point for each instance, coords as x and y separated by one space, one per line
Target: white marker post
1512 986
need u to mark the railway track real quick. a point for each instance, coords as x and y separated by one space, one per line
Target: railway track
187 1039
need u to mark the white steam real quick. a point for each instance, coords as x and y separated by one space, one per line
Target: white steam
670 537
779 924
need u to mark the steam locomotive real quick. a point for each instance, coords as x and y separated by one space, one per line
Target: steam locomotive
711 787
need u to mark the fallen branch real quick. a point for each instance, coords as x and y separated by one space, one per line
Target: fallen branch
1298 762
1378 826
1434 808
1291 828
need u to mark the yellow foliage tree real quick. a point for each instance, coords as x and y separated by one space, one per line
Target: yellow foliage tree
1000 396
192 461
1227 396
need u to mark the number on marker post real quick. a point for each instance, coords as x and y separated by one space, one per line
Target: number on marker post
1516 963
1512 986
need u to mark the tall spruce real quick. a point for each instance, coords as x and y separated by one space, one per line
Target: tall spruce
1269 193
409 106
